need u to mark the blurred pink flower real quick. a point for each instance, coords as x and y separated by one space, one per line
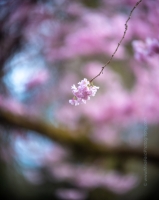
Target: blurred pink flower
63 171
119 183
146 49
71 194
12 105
92 177
106 135
38 79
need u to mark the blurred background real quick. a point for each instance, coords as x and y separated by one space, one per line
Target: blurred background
46 46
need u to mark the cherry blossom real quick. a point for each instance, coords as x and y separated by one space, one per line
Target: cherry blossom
84 91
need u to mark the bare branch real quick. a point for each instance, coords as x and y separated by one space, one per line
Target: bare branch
78 142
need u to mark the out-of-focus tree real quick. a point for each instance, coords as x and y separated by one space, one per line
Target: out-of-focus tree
104 149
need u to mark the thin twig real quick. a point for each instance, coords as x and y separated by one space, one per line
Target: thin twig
126 28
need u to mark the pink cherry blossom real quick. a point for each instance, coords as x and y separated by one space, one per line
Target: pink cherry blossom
74 102
146 49
83 92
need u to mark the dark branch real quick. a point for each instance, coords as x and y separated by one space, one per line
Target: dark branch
79 142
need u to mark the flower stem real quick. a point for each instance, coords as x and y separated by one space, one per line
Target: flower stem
126 28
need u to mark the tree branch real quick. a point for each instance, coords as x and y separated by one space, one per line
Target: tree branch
79 142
